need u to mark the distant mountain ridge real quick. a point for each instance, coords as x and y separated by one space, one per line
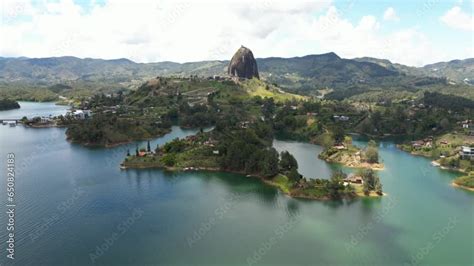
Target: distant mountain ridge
304 74
460 71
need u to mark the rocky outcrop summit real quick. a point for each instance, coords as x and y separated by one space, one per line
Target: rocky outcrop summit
243 64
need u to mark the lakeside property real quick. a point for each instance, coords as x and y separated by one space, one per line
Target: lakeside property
347 154
451 151
226 152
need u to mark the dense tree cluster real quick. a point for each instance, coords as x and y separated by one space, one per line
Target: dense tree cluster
371 181
450 102
196 116
248 152
106 129
7 104
372 153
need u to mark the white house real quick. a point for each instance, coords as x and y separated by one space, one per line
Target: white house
341 117
467 152
81 114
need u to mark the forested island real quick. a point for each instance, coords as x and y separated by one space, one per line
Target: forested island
7 104
248 151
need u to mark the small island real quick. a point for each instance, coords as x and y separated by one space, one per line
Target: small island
7 104
247 150
345 153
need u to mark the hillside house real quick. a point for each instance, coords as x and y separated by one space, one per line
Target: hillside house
80 114
467 152
341 118
354 179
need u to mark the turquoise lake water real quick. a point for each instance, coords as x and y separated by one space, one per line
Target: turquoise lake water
76 207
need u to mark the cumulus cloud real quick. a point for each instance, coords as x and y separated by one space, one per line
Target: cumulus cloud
150 31
458 19
390 14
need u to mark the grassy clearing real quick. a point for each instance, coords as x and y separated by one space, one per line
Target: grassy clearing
282 182
255 87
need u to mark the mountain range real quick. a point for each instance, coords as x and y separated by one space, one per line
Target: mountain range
306 74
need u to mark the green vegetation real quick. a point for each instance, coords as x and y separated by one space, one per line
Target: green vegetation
444 149
244 149
109 130
466 182
451 102
366 79
371 182
7 104
347 154
22 92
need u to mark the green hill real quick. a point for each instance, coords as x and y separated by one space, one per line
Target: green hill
362 78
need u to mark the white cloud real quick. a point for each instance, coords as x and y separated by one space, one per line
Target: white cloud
390 15
456 18
365 38
149 31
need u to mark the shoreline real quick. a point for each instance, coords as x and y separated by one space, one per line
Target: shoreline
434 161
462 187
115 144
262 179
375 167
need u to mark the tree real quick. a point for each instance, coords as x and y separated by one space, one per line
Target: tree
338 133
294 175
372 155
378 187
371 181
338 176
169 159
444 123
268 107
366 189
376 119
128 152
136 151
270 163
372 143
327 141
335 185
287 161
148 148
350 189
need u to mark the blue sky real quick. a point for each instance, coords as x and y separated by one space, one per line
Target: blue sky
408 32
